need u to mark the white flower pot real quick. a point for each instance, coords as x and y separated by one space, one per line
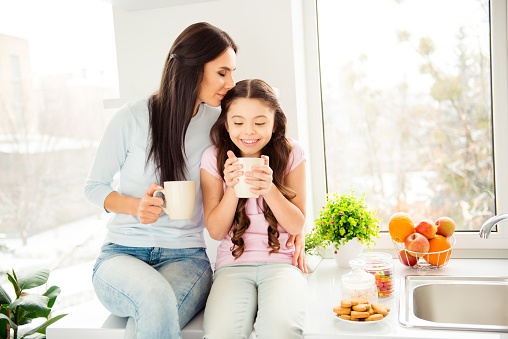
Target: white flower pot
350 250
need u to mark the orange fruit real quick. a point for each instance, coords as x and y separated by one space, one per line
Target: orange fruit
400 226
437 244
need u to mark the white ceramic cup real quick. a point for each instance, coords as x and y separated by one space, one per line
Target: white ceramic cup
242 189
180 197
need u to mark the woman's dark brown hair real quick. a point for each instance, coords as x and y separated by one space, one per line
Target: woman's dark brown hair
172 106
278 150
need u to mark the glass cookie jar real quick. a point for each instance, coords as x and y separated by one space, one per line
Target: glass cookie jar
380 265
358 283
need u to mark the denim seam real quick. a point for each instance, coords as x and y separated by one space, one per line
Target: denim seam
190 289
115 289
136 313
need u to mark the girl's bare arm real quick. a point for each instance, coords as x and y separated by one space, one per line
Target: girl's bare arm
219 207
289 214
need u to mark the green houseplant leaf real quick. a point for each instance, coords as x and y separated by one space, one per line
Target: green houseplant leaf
4 297
6 319
25 334
14 282
25 317
52 293
3 329
33 279
32 303
25 307
42 328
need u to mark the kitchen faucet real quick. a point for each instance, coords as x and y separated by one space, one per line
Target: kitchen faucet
487 225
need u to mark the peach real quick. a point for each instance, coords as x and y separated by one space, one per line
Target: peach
417 242
427 228
445 226
407 259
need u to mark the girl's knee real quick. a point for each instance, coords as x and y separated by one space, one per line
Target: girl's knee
280 331
219 324
282 325
226 333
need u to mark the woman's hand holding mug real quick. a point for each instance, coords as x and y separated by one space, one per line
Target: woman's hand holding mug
149 208
180 197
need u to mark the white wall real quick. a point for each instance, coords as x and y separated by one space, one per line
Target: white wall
262 29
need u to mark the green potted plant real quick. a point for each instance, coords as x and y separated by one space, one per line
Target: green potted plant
312 255
312 243
347 223
27 306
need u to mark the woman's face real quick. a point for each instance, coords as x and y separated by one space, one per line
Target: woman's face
250 123
217 79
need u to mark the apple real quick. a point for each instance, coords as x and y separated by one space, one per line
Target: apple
445 226
407 259
417 242
427 228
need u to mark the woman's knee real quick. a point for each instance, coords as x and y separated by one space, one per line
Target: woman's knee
156 297
123 295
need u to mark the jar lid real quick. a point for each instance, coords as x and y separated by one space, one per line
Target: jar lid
357 274
376 255
376 258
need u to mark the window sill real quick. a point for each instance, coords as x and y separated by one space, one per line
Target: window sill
468 246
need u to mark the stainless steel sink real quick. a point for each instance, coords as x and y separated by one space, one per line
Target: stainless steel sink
458 303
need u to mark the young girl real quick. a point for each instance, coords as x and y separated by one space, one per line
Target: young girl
254 279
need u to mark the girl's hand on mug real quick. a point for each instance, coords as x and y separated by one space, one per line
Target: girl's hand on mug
263 174
232 170
149 209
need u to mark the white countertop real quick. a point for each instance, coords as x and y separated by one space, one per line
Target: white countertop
324 295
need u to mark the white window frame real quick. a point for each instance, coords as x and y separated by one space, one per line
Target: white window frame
468 244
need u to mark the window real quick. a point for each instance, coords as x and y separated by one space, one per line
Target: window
407 106
409 110
56 67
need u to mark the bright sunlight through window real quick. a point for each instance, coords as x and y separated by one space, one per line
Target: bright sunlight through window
407 106
57 64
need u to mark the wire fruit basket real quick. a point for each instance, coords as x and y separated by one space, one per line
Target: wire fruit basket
424 261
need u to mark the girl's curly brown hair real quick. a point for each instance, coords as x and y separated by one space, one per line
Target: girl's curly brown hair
278 150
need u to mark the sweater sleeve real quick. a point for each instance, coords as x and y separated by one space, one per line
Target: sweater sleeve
110 157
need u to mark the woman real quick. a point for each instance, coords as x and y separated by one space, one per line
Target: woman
152 269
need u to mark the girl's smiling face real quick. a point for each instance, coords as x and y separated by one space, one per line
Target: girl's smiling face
250 123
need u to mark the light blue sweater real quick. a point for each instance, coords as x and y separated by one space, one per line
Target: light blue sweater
122 151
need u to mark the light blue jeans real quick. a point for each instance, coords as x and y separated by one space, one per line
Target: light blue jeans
277 292
159 289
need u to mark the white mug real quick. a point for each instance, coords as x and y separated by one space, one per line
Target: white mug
180 197
242 189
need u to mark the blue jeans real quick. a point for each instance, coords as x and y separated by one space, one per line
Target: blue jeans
160 289
271 297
